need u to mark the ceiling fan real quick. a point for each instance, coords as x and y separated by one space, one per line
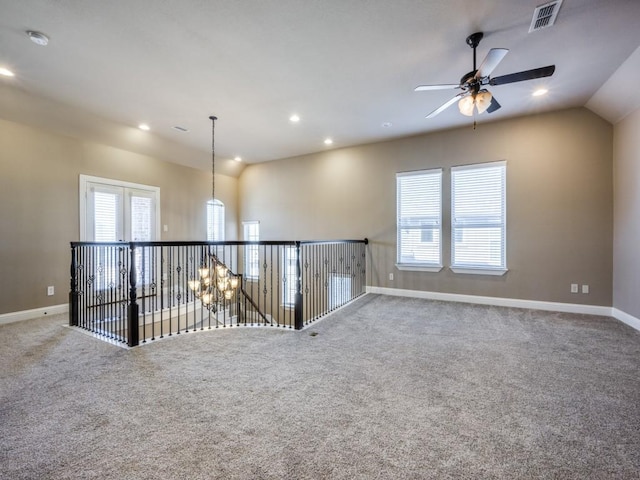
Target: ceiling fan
474 95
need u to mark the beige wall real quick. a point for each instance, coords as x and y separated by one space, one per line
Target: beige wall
626 245
39 174
559 203
559 194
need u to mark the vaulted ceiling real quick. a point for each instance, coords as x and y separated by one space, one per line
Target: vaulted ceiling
348 68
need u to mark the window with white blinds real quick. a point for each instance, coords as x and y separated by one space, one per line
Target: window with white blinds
141 221
215 221
289 284
478 218
251 231
106 209
419 214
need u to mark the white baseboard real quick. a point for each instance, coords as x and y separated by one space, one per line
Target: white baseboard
447 297
626 318
497 301
36 312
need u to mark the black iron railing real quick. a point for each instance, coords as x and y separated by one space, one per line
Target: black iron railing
133 292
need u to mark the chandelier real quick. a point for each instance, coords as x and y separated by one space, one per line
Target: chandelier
216 283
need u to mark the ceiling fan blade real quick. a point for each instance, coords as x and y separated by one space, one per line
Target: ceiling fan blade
525 75
444 86
493 106
490 62
446 105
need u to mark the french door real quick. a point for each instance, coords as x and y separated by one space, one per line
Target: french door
114 211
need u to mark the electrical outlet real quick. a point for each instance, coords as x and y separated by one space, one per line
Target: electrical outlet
574 288
50 290
391 276
585 288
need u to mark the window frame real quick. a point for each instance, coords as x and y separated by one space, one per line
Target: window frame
480 268
424 266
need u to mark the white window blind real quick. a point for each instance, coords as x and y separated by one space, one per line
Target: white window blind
215 221
339 290
289 267
251 252
478 218
419 214
141 218
105 216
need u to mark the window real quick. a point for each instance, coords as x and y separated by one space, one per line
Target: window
215 221
104 217
251 252
419 226
339 290
289 261
478 218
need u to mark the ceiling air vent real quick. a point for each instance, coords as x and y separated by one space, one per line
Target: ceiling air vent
545 15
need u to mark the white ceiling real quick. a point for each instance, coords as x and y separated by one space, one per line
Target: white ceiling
345 66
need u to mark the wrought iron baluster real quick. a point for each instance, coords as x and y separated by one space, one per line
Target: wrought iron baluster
273 301
133 330
171 289
73 293
162 289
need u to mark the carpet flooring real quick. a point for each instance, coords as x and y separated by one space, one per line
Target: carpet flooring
386 388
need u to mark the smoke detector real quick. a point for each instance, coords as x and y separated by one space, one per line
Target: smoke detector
545 15
38 38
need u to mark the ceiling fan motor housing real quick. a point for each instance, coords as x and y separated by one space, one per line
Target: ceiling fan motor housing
468 80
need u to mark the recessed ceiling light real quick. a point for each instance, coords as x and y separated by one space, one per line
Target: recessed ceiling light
328 141
238 159
6 72
539 92
144 126
38 38
294 118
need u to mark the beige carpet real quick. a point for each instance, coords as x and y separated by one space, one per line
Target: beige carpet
385 388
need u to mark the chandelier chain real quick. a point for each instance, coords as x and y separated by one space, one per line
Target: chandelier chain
213 159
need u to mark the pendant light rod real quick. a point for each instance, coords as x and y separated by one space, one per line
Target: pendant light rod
213 158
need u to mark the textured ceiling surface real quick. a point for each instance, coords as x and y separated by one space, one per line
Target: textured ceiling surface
347 67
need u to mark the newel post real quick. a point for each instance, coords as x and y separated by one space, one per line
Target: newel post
298 298
133 324
73 292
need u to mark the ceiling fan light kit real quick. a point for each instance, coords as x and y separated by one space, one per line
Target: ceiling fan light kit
474 96
465 105
481 101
